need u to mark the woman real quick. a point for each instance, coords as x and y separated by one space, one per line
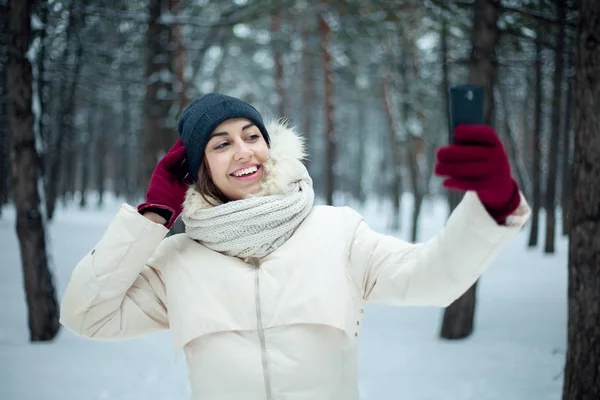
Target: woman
264 291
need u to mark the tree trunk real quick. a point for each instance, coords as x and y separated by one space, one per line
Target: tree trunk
536 165
124 165
459 316
277 38
394 143
133 188
43 86
330 144
308 93
4 132
582 380
407 113
39 287
415 178
86 152
361 126
68 175
526 135
85 172
483 67
567 149
181 86
512 148
55 180
4 148
53 156
100 150
525 116
453 196
156 135
550 203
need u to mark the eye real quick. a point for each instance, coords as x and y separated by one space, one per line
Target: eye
253 136
221 146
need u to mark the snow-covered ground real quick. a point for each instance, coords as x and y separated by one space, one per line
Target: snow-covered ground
517 351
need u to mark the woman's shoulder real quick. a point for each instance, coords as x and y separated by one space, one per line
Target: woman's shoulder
336 211
330 216
168 247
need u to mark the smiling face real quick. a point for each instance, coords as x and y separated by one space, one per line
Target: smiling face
235 155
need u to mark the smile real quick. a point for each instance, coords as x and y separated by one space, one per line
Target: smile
246 173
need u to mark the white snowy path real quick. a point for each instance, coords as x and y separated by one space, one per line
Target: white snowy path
516 353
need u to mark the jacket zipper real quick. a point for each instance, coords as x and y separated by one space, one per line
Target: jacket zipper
261 332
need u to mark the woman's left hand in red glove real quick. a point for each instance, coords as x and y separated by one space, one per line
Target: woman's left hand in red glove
477 162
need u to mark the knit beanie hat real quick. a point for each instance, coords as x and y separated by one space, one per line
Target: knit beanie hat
200 118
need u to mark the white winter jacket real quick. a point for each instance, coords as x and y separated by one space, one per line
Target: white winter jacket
284 327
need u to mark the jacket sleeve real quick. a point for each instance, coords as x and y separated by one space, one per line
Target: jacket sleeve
113 293
390 271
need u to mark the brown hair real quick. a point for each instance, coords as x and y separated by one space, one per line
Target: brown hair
206 187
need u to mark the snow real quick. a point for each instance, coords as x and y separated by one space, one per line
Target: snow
517 351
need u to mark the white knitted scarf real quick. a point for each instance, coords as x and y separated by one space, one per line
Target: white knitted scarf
259 224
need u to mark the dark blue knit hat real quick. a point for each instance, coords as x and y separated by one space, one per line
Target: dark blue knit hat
200 118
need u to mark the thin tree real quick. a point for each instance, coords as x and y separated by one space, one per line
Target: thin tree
483 68
408 114
39 288
4 133
536 148
277 38
513 149
42 80
69 165
330 145
179 58
308 92
61 144
104 124
122 172
158 98
453 197
582 379
395 148
567 145
360 106
550 203
87 138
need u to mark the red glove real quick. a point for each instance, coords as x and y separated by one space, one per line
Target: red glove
477 161
167 188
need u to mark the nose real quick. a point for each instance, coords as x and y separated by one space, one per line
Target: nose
242 151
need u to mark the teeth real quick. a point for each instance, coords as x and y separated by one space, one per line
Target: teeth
246 171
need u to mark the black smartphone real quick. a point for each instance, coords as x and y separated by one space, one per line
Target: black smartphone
466 106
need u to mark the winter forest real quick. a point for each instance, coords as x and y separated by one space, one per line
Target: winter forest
90 92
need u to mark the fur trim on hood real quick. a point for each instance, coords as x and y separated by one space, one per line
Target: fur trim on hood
283 167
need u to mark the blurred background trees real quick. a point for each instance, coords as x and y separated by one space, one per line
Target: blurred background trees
90 92
365 81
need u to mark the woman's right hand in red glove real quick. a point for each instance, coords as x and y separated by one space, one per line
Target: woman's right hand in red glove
477 161
168 186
